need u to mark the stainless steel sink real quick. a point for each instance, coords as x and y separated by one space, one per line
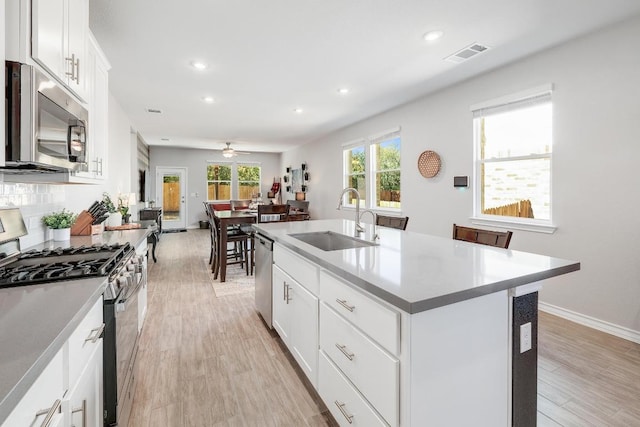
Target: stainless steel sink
330 241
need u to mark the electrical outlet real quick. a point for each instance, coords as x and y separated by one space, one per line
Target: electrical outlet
525 337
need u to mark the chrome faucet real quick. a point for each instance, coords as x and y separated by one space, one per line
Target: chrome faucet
375 236
359 227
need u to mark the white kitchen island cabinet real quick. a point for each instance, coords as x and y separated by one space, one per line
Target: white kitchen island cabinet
417 330
295 311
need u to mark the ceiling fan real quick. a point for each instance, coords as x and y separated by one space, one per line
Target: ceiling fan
229 152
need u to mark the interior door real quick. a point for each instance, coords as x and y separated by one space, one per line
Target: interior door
171 194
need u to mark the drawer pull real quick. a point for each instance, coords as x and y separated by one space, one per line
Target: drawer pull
344 412
50 413
82 409
343 302
95 334
343 349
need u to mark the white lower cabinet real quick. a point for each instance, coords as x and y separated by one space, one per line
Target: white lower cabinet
295 318
347 406
69 391
373 371
43 399
85 401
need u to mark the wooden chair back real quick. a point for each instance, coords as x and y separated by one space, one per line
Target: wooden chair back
399 222
272 213
499 239
239 205
220 206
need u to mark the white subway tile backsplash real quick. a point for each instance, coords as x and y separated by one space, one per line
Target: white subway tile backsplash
34 201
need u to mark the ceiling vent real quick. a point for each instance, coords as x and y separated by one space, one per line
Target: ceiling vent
466 53
154 110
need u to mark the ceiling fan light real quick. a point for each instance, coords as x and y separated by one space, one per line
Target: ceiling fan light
227 154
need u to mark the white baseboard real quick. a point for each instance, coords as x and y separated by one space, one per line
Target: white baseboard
591 322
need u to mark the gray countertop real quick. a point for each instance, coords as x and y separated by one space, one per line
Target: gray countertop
36 320
417 272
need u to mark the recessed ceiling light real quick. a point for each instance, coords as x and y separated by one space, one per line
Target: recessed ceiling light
343 91
165 139
198 65
433 35
298 110
208 99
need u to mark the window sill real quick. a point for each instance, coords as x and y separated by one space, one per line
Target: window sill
514 224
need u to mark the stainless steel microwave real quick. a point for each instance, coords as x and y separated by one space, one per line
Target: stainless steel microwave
46 128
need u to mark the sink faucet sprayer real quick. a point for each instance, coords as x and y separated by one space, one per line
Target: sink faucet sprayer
359 227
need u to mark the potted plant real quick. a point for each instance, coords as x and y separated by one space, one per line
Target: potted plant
115 217
60 223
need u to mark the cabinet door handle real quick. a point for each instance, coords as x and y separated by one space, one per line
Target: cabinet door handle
78 74
72 74
343 302
284 291
343 349
95 334
344 411
50 413
82 409
288 293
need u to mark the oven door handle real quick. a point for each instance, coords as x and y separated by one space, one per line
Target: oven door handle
121 305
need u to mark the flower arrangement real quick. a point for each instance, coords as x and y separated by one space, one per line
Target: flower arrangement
108 203
58 220
123 204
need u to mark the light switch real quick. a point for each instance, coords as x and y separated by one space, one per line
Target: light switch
525 337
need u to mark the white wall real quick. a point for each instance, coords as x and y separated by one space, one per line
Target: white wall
196 163
596 196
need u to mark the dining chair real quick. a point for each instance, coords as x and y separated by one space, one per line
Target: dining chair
238 254
399 222
239 205
499 239
267 213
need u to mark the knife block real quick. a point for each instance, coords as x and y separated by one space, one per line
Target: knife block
84 225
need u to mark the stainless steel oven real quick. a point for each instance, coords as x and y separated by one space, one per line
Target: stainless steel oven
46 128
121 340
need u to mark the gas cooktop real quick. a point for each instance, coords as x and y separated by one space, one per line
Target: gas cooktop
48 265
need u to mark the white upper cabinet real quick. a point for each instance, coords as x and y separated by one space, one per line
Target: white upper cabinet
58 40
97 81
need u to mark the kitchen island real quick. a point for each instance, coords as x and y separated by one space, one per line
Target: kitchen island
37 320
415 330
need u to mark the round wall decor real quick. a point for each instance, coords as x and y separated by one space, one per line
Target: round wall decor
429 164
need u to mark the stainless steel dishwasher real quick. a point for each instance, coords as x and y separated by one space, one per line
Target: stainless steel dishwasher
264 269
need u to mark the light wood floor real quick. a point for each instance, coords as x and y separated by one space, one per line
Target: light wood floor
208 361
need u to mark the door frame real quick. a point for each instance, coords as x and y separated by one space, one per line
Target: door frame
167 224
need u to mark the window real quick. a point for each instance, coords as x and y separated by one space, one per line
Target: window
513 144
372 166
226 181
355 167
248 181
218 181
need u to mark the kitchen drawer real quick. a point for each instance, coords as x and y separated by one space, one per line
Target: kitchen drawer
41 397
84 340
347 406
379 322
373 371
303 271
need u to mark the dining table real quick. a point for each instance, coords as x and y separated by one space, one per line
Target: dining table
224 219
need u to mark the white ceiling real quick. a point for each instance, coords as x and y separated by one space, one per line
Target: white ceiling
267 58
